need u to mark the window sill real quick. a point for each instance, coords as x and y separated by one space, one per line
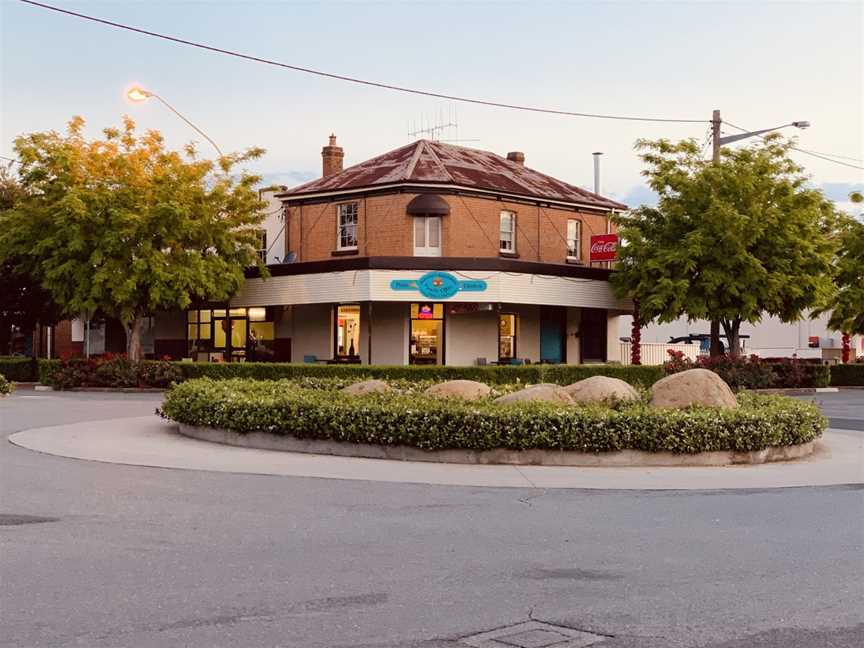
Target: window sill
508 255
344 252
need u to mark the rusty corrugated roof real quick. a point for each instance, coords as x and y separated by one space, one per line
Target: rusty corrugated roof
429 162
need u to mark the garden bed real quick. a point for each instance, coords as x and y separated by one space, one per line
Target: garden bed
408 419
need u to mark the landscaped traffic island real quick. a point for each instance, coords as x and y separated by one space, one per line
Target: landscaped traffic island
541 424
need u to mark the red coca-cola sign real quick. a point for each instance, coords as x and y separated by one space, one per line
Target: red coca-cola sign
603 247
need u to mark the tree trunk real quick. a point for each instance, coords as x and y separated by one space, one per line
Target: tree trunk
716 348
732 328
133 338
636 336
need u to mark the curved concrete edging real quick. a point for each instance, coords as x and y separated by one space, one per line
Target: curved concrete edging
148 441
619 459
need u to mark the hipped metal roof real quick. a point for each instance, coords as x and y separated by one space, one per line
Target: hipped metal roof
427 162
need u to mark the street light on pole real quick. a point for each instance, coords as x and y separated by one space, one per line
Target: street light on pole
718 141
139 95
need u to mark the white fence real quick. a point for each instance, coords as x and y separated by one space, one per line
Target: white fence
656 353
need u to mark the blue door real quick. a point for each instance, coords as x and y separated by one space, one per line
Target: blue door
552 335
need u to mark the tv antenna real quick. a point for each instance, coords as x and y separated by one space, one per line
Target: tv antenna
440 129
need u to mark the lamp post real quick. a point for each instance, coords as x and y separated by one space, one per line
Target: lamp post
718 141
139 94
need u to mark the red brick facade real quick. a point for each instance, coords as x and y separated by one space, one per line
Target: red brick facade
470 230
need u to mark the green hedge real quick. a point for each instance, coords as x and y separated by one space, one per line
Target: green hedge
283 407
5 386
560 374
18 369
847 374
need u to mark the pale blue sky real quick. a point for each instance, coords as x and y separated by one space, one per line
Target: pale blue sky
761 63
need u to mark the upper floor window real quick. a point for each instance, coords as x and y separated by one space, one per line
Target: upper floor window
574 239
427 236
262 245
507 236
346 226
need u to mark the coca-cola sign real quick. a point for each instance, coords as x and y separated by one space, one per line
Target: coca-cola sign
603 247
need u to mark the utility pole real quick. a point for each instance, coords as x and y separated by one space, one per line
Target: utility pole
716 348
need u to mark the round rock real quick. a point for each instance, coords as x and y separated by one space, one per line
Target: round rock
464 389
601 389
545 392
367 387
692 387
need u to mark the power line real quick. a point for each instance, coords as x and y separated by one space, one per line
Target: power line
821 156
340 77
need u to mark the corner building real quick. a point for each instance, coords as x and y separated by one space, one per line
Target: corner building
428 254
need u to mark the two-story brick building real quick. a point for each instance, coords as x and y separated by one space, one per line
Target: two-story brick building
431 253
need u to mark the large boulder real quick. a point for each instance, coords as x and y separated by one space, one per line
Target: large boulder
545 392
366 387
601 389
463 389
692 387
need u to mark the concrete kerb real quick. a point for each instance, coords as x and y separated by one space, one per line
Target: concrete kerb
148 441
538 457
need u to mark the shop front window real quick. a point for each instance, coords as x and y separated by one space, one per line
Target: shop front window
348 332
506 337
198 333
232 335
427 334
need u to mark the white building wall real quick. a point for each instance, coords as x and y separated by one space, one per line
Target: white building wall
389 333
613 346
573 341
313 332
527 331
273 223
469 336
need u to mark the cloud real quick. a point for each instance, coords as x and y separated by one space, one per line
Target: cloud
839 191
287 178
638 195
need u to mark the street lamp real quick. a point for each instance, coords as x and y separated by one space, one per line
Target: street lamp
139 94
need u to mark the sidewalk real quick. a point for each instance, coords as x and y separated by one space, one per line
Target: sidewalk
150 441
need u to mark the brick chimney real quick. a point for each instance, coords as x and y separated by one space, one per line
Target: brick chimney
332 157
517 156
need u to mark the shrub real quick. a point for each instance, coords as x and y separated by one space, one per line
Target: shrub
17 369
754 372
847 374
560 374
6 387
284 407
109 371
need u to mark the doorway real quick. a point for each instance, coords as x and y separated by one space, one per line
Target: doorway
593 335
426 344
552 327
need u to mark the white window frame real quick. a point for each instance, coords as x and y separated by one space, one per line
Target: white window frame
577 240
426 249
343 210
511 233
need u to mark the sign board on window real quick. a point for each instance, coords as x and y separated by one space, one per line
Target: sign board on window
603 247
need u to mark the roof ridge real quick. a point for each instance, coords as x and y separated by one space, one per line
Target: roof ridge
415 156
441 165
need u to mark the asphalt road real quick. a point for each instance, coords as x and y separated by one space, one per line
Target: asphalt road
141 557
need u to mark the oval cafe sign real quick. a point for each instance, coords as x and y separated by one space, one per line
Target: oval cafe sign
438 285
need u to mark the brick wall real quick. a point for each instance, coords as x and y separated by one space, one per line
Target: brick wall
470 230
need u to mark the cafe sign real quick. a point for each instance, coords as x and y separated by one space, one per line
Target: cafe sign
438 285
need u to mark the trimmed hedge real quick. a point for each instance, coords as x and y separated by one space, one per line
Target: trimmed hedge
6 387
847 375
18 369
754 372
284 407
111 371
494 375
50 372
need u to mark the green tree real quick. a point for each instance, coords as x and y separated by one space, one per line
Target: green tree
730 241
847 304
23 302
122 226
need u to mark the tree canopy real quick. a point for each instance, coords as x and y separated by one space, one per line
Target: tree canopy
728 241
123 226
847 305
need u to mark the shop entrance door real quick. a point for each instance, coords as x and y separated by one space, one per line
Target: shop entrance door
593 335
552 334
427 334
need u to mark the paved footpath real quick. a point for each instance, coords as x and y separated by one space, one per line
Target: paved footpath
100 554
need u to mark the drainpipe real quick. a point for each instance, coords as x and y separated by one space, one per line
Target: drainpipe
597 155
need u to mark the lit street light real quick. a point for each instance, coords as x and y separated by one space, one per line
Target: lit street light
138 95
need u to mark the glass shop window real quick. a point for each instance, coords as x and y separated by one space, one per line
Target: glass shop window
506 337
348 332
